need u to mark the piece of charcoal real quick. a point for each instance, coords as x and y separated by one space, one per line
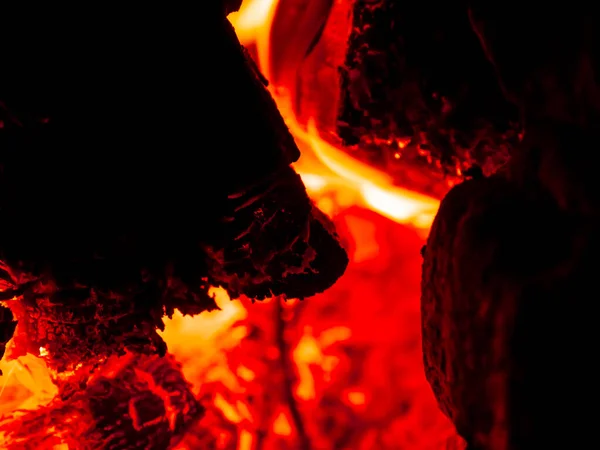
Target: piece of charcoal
118 167
132 402
417 85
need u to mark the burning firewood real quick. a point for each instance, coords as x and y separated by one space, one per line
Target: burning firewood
417 89
134 178
509 265
131 403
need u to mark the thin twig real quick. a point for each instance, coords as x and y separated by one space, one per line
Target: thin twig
288 378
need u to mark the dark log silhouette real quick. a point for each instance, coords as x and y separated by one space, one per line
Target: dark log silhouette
143 160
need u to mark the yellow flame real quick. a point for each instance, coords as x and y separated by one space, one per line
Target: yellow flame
203 340
229 410
249 23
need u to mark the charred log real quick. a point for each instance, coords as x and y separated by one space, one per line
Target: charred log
271 219
123 164
417 88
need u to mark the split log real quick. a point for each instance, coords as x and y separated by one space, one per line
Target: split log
417 89
128 166
509 267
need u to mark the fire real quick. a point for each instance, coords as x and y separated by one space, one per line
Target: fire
301 374
323 166
336 182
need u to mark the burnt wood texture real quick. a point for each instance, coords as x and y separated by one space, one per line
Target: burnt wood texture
137 402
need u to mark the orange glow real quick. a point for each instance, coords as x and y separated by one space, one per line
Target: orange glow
245 441
26 383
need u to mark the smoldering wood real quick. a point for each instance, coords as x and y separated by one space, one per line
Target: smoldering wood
135 402
417 88
127 167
